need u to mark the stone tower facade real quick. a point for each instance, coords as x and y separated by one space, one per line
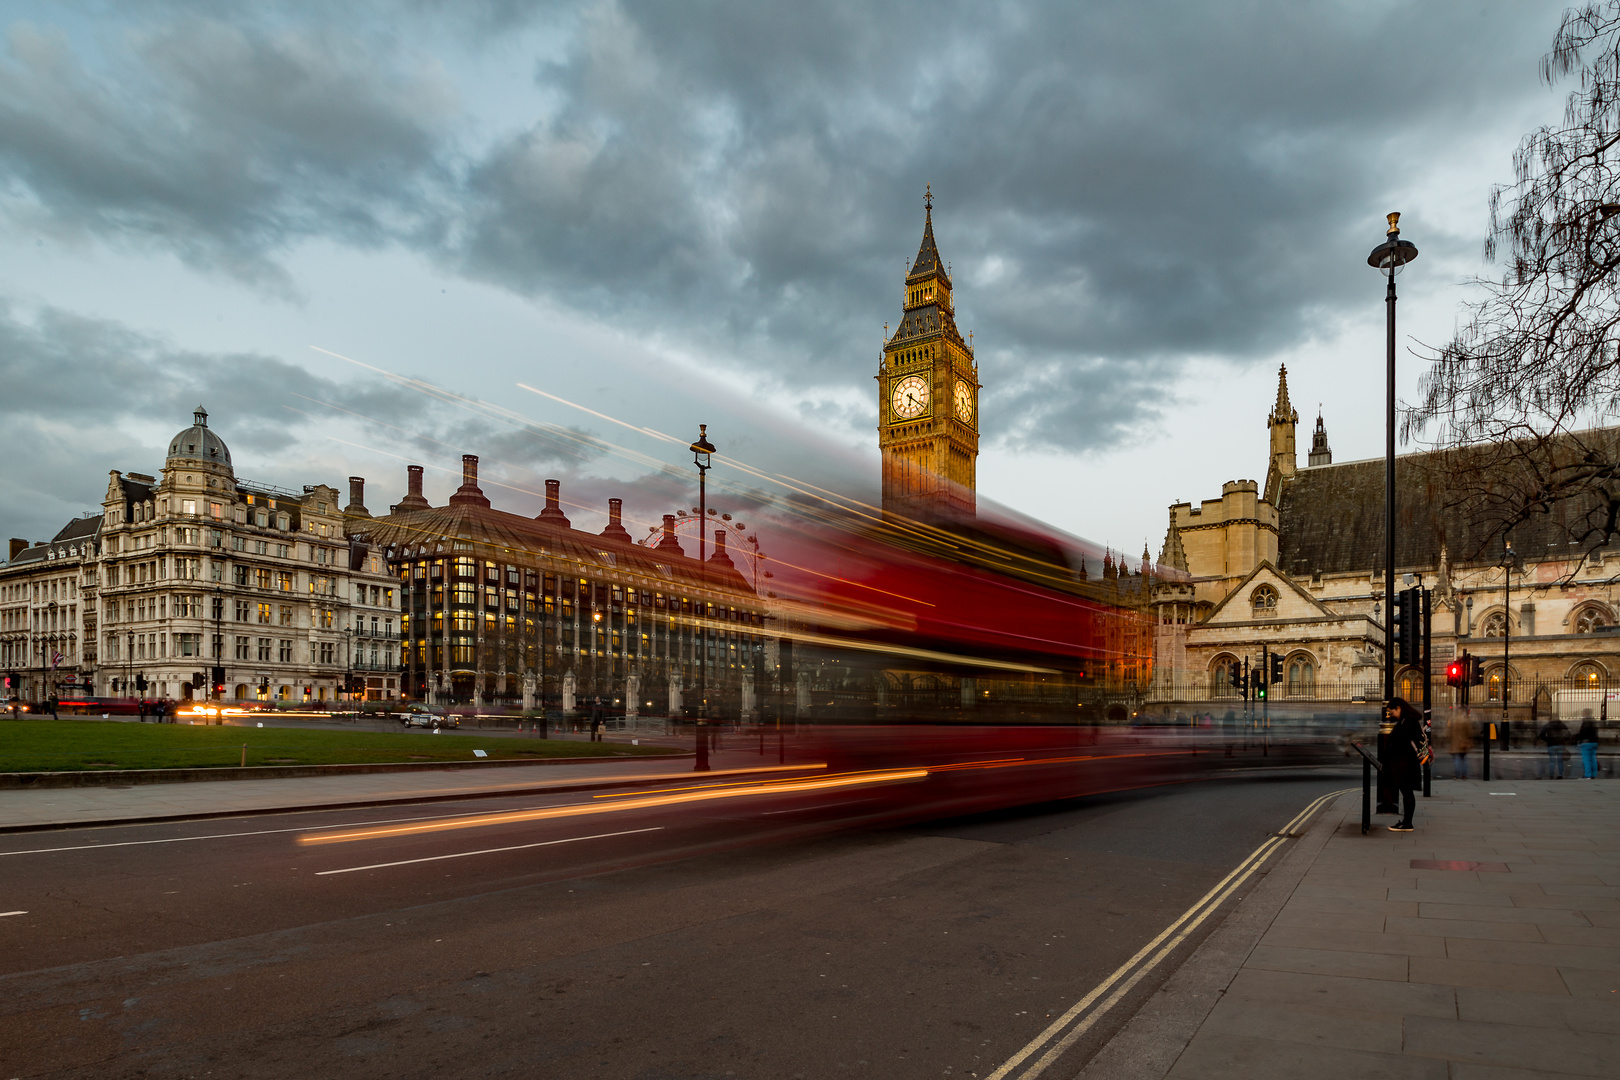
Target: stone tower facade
928 398
1283 423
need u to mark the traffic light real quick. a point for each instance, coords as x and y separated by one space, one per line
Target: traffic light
1275 669
197 680
1454 673
1406 625
1240 680
140 682
1476 670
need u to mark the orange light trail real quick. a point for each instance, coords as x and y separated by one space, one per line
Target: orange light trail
640 803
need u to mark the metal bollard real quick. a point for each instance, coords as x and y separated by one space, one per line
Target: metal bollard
1485 745
1366 795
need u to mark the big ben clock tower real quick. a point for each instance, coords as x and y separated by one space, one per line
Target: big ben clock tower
928 398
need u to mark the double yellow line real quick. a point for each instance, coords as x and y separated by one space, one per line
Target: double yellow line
1067 1029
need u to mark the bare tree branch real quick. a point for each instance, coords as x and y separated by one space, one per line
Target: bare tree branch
1537 363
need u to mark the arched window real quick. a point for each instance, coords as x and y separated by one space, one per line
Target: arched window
1589 619
1301 677
1586 673
1493 683
1409 685
1264 600
1495 624
1222 675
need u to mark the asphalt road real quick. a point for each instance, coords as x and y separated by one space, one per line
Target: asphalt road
772 936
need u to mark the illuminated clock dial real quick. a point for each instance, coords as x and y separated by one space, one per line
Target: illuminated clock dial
909 397
964 403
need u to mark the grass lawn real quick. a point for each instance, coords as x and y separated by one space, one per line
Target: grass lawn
52 745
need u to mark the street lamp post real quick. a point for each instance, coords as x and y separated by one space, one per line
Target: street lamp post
702 456
1388 258
1510 562
215 690
348 663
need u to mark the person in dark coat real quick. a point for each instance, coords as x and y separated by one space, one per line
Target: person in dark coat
1587 739
1401 762
1555 734
596 720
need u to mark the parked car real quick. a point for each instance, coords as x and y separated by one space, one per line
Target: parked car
418 715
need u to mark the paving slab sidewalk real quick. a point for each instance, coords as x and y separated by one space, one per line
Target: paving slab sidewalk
1483 946
26 809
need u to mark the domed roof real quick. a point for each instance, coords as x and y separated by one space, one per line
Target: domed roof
198 443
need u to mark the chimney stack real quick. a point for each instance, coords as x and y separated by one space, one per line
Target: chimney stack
615 529
469 493
668 542
552 514
413 499
357 498
17 548
720 558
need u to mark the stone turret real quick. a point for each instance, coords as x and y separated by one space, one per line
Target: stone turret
1283 422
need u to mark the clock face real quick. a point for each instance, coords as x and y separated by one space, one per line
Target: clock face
964 403
909 397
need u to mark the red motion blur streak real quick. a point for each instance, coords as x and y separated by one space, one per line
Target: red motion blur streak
911 774
988 768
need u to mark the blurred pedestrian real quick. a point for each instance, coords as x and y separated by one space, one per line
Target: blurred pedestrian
1555 734
1586 737
596 720
1460 733
1406 750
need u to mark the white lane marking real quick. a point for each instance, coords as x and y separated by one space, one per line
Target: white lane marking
487 851
258 832
3 914
1180 929
827 806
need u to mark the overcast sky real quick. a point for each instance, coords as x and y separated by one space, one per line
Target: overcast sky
702 212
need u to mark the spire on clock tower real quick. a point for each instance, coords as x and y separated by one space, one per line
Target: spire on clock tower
928 396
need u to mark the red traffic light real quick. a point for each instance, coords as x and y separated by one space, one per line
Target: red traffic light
1454 674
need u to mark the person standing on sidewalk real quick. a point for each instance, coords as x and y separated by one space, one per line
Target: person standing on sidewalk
1404 748
1587 739
1555 735
1460 733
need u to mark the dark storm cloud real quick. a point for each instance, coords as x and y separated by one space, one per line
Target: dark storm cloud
1120 187
220 143
85 396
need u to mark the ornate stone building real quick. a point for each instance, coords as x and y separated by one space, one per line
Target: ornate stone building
1296 568
928 397
503 608
194 569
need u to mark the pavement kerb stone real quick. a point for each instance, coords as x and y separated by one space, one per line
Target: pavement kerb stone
347 804
1147 1047
129 777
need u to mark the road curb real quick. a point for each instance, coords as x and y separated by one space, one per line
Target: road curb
354 804
26 781
1149 1044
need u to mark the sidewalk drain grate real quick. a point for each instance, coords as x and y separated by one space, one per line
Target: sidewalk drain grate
1457 864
